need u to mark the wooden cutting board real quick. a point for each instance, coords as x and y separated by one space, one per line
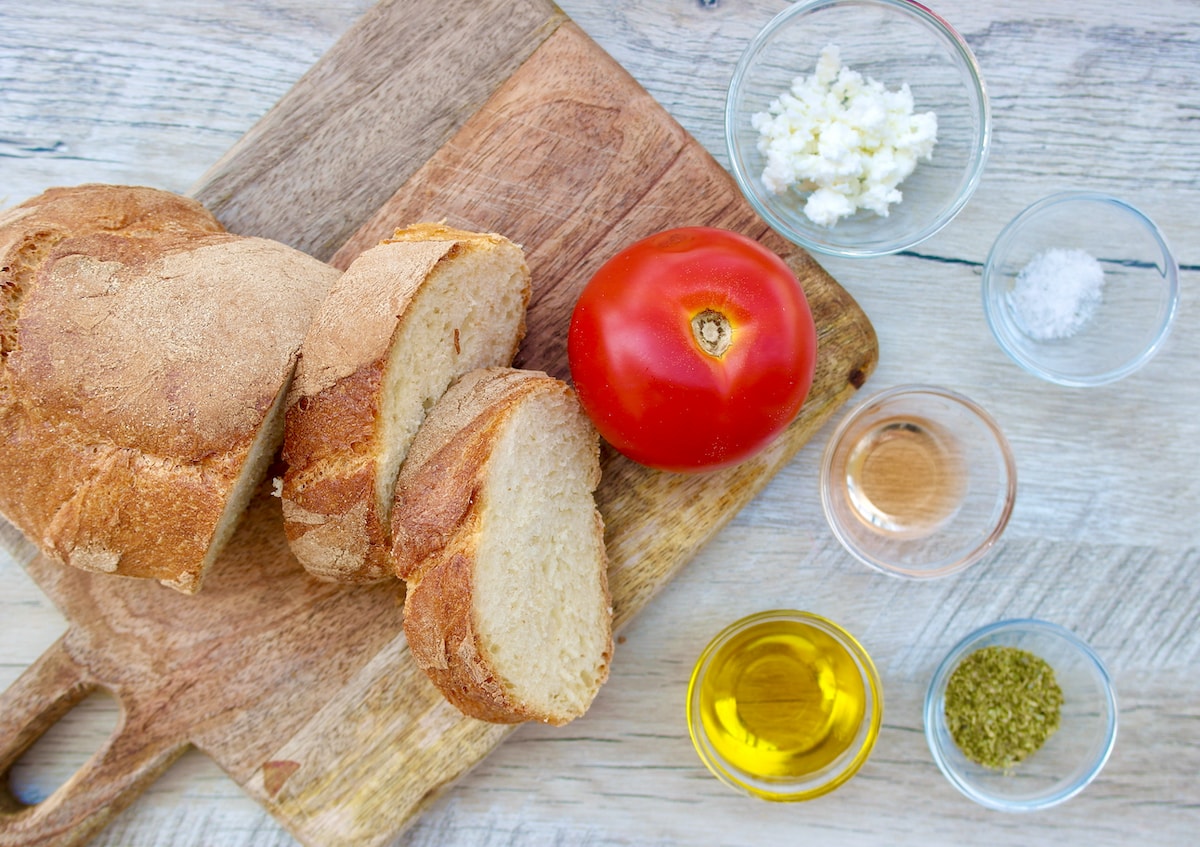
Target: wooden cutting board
491 115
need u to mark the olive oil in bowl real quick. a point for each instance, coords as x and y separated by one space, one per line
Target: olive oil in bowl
784 705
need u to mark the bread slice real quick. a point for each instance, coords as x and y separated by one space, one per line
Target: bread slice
142 390
408 317
498 538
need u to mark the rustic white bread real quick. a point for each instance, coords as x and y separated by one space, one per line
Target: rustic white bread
498 538
142 389
409 316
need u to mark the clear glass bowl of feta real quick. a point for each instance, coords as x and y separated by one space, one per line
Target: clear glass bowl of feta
1081 289
857 128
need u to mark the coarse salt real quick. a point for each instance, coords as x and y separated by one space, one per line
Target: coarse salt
1057 293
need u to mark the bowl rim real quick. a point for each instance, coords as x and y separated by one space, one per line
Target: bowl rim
990 288
873 719
933 718
984 142
855 414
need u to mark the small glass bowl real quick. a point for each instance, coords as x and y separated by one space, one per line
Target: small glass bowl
1071 757
813 667
1138 299
894 42
918 482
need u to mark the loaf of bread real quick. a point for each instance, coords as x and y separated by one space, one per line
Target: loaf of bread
497 536
146 360
408 317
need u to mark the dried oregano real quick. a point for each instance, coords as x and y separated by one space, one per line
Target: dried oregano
1002 704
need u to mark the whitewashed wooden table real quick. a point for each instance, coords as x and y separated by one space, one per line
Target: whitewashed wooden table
1105 537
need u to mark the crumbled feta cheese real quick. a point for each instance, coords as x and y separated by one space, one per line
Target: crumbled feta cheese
850 142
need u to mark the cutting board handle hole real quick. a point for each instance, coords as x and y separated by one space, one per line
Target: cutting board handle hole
48 763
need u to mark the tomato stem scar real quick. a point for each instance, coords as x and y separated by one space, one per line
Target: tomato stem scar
713 332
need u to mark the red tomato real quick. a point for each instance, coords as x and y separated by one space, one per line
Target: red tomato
692 349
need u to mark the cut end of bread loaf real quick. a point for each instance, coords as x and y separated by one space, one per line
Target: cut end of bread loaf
509 612
407 318
253 471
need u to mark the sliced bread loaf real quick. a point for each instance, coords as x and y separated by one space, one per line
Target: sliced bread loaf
498 538
407 317
144 376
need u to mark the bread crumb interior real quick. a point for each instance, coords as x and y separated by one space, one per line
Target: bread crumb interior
540 615
465 316
253 472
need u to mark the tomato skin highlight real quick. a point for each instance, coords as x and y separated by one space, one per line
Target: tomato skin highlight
647 381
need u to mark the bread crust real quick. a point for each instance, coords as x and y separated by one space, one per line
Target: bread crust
438 493
30 230
144 358
333 432
436 527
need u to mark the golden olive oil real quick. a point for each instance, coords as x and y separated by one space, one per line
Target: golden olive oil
782 699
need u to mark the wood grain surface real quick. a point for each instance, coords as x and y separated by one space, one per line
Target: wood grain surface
1089 94
400 82
305 693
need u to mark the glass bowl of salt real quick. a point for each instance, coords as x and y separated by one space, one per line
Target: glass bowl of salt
1080 289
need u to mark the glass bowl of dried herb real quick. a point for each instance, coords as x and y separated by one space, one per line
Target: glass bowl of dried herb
1021 715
